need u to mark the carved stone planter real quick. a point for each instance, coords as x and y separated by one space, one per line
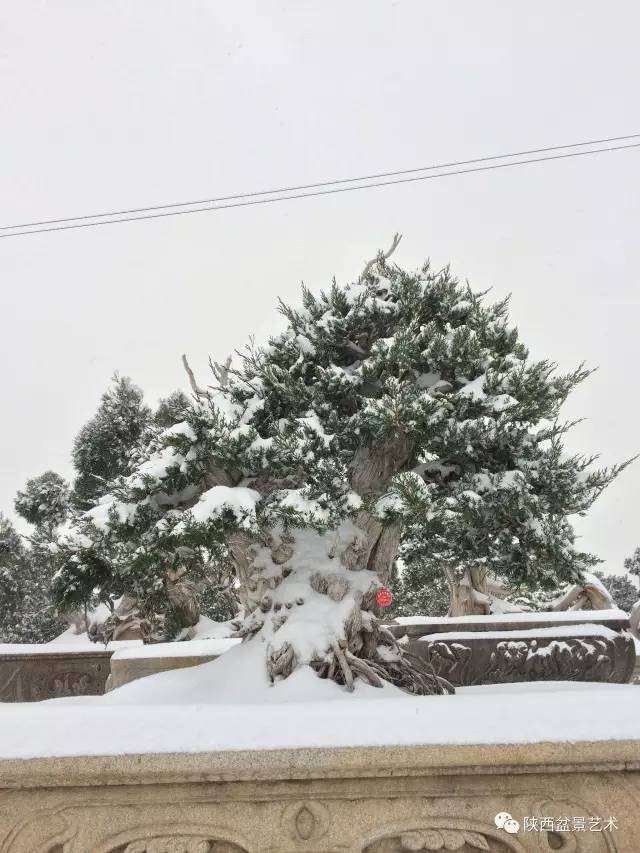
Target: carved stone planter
544 655
34 672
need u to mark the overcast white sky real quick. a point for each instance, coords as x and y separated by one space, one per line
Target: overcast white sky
113 104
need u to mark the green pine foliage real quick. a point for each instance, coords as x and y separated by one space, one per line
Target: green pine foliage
419 589
171 410
103 448
12 555
632 563
26 611
622 588
45 504
44 501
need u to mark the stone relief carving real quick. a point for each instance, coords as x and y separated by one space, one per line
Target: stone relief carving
439 838
179 844
592 659
10 684
46 832
31 677
305 821
495 661
346 823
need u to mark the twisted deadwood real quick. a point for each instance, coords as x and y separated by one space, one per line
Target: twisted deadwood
404 670
372 653
381 256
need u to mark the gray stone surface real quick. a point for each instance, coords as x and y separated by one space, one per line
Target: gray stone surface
36 675
373 800
505 657
125 670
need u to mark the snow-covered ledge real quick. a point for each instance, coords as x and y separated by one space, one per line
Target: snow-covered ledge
137 771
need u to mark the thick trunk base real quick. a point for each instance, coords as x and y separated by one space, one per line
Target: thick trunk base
318 607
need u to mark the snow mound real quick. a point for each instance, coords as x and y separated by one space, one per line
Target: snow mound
208 629
237 677
188 648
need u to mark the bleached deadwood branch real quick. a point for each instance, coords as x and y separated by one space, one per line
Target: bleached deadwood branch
221 371
382 256
199 392
344 666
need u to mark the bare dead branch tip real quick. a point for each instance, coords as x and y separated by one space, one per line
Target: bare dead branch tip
221 371
382 256
199 392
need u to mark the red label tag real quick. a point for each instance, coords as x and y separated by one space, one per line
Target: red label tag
384 597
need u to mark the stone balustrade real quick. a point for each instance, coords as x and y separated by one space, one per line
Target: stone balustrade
346 800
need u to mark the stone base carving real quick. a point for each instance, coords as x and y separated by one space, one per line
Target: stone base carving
502 658
179 844
29 677
385 800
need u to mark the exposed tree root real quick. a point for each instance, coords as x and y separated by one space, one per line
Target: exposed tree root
386 661
345 669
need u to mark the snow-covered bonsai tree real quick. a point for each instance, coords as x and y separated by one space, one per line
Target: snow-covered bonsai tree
397 402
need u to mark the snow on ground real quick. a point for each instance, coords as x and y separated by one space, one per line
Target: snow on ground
227 704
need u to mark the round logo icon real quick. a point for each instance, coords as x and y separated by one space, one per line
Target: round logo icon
503 820
384 597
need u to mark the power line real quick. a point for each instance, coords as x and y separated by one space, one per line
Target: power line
253 198
280 190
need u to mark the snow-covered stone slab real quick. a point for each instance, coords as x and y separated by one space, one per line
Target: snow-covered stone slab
351 773
193 710
587 629
32 672
140 661
189 648
418 626
55 648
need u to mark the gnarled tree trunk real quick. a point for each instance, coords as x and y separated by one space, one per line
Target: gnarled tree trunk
476 593
311 597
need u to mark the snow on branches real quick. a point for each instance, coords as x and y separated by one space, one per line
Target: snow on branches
400 407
